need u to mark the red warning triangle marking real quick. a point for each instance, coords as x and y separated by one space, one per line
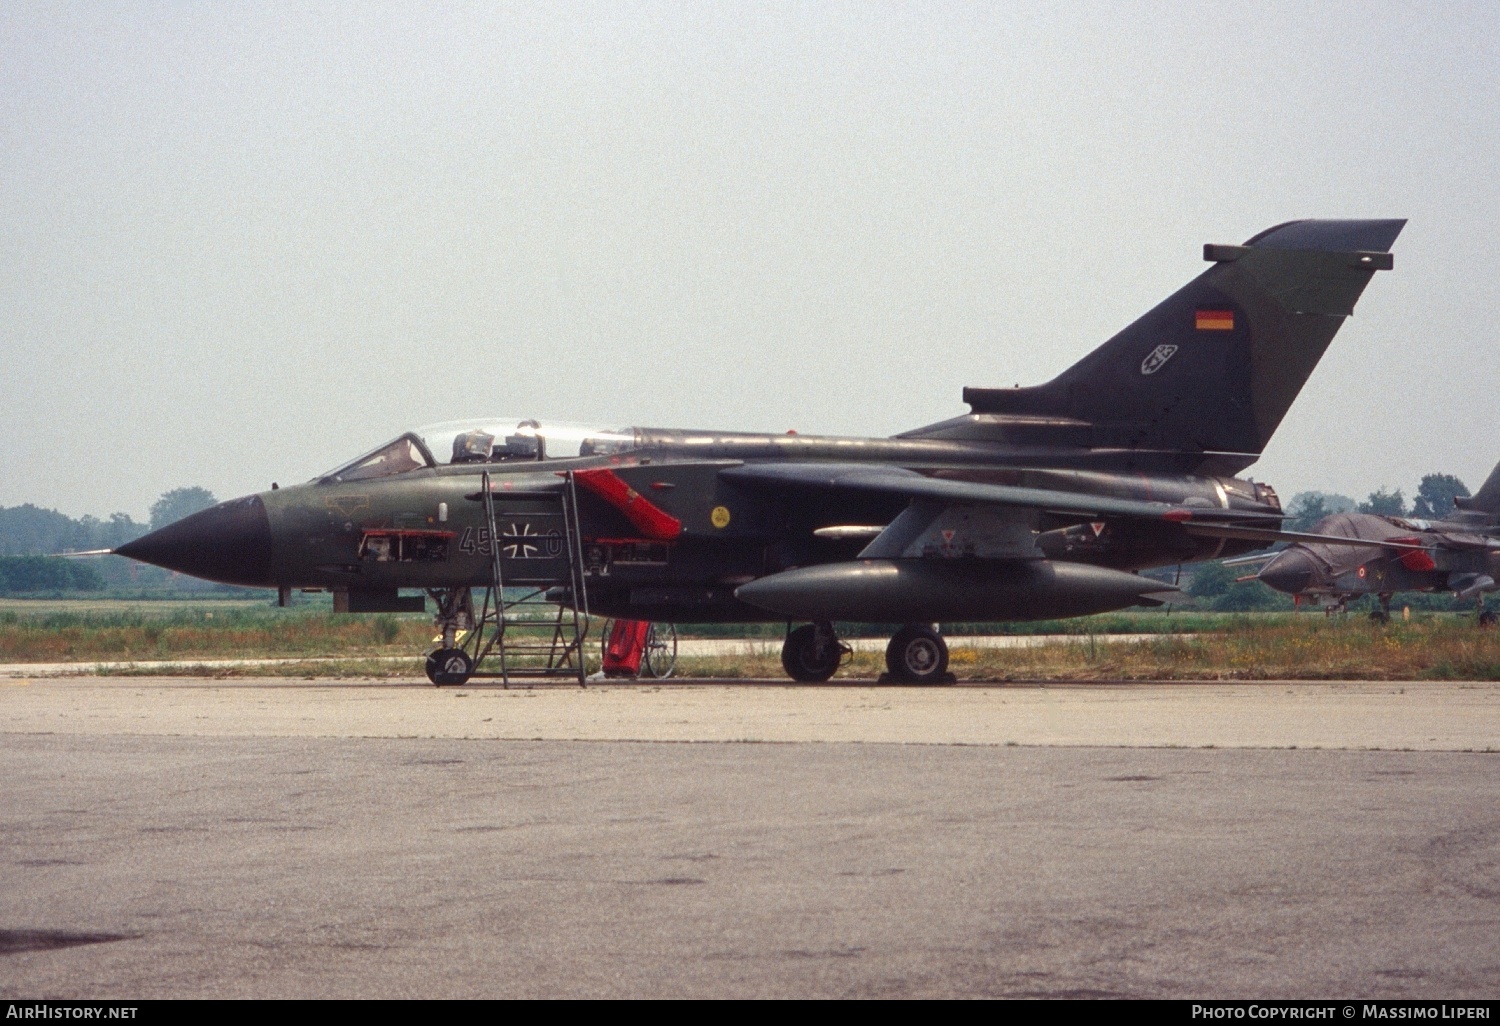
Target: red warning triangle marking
1098 526
948 536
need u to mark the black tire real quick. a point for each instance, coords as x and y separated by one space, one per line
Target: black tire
609 625
449 666
660 658
917 655
1488 618
802 660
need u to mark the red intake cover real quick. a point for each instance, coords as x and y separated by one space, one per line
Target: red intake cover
627 643
1415 560
651 520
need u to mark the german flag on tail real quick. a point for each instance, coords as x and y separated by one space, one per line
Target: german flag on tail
1214 320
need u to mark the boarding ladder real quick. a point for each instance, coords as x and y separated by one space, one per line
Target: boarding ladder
529 631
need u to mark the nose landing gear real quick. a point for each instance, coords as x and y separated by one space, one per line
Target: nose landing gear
449 666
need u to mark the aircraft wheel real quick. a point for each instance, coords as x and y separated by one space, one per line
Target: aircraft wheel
660 657
802 660
1488 618
1380 616
917 655
604 632
448 666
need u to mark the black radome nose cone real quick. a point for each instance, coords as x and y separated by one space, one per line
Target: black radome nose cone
1291 572
229 543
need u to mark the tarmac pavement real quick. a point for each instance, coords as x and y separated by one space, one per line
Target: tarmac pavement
176 837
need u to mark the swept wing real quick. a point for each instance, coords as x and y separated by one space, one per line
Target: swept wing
911 484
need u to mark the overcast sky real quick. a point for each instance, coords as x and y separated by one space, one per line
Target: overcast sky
244 241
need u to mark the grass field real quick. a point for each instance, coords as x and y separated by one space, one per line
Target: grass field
92 630
1245 647
94 606
1189 646
188 631
1309 647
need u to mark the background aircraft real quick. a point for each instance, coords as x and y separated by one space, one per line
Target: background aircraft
1040 502
1347 555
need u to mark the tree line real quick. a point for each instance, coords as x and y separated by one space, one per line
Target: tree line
1434 501
30 530
29 534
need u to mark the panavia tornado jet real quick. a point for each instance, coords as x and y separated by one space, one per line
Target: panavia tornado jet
1347 555
1039 502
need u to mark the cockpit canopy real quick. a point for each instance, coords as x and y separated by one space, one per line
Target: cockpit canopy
497 440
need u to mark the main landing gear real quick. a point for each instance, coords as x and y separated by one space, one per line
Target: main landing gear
812 652
916 655
1486 617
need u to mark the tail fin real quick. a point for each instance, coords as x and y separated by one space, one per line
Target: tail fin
1487 499
1214 368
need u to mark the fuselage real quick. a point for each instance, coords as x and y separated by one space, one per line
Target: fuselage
398 518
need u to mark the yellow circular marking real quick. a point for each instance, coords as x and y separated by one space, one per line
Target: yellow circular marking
720 516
